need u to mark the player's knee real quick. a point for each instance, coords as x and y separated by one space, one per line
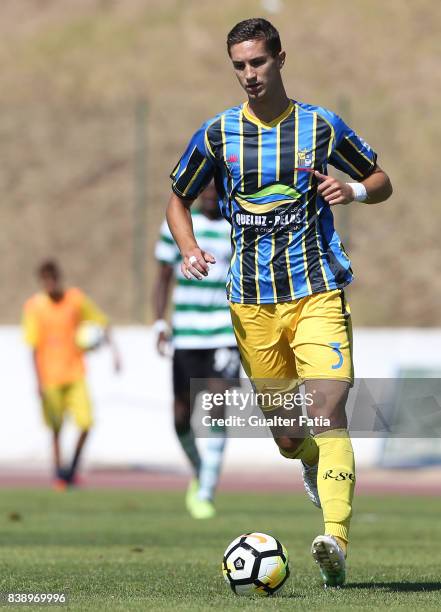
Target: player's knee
288 446
55 425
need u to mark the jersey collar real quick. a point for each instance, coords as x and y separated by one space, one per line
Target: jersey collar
274 122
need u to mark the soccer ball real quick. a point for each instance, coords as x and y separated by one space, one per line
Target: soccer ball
89 336
255 563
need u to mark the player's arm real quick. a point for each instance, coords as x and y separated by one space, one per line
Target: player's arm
377 186
30 334
37 372
161 295
353 156
191 175
91 312
194 260
116 355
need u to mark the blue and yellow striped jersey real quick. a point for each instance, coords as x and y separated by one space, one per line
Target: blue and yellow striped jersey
284 244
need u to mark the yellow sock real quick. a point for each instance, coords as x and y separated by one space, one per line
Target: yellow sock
336 481
307 451
343 544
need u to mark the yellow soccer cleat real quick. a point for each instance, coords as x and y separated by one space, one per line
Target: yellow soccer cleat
202 509
198 508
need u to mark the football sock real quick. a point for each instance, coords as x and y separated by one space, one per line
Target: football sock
336 481
210 466
308 452
190 449
342 543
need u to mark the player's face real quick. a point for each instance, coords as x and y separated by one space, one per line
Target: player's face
256 69
51 284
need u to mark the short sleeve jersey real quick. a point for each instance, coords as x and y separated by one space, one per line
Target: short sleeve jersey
285 245
50 329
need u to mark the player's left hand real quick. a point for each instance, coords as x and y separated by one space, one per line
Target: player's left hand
334 191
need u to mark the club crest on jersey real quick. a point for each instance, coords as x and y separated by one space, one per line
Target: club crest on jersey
304 159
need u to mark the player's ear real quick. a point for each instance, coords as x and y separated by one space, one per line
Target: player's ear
281 59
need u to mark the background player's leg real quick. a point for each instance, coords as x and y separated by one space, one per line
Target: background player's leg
211 465
56 449
182 418
77 454
210 368
223 367
184 368
60 483
52 405
79 404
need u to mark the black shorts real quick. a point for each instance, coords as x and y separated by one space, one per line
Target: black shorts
203 363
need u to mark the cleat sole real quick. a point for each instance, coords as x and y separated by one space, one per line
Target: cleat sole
330 560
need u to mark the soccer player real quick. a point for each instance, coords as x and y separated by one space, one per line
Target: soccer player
51 320
203 341
270 157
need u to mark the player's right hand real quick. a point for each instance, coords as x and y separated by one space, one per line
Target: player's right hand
195 263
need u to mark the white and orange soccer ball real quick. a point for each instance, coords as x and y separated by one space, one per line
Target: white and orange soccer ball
89 336
255 564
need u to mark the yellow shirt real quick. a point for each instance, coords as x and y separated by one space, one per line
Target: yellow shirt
50 328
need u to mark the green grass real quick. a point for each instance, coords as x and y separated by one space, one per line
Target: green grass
119 550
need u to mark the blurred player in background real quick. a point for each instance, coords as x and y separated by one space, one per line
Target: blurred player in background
269 157
202 337
52 322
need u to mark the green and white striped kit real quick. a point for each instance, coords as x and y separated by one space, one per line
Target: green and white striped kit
201 315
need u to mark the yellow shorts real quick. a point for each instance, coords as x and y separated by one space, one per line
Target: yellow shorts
72 398
309 338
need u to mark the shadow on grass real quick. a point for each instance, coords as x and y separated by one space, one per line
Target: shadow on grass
397 587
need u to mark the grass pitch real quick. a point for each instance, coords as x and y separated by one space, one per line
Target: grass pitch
122 550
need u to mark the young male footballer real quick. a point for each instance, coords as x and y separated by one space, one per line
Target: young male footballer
51 320
203 340
269 158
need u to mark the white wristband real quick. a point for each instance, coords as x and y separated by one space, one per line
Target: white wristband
161 326
360 193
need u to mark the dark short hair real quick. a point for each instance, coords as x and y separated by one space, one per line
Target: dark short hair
253 29
49 267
